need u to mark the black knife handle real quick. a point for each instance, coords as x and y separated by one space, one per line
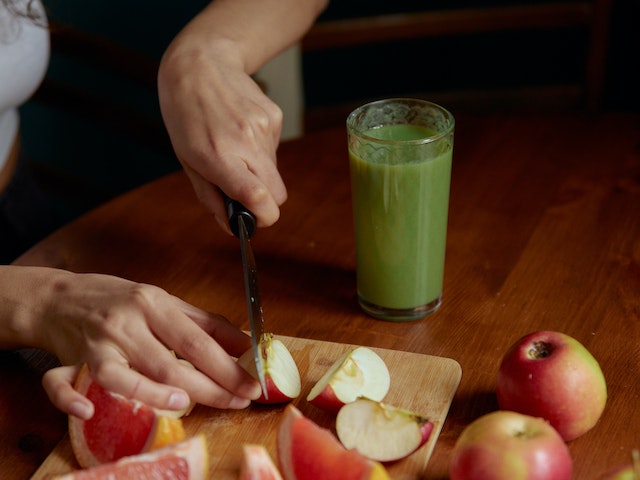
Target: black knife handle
235 210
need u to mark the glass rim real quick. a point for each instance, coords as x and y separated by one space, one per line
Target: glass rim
400 100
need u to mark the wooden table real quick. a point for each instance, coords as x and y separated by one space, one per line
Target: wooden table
544 233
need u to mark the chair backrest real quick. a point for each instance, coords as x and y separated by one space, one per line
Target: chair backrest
388 34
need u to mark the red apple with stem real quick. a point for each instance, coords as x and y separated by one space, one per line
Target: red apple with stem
510 446
551 375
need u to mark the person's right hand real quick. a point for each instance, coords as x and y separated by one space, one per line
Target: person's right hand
223 128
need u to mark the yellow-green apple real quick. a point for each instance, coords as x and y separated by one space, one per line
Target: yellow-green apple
629 471
359 372
551 375
381 432
281 373
505 445
257 464
306 451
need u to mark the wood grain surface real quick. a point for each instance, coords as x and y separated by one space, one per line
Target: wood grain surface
543 233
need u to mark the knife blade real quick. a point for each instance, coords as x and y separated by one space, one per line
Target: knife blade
243 225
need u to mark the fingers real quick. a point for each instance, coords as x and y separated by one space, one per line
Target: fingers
227 335
225 132
127 342
216 380
58 383
167 383
217 377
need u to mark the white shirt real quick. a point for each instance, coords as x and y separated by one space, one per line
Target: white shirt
24 57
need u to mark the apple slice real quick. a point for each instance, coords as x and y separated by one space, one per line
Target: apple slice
257 464
381 432
359 372
281 373
306 451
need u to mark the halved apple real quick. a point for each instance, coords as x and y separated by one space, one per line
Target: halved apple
359 372
381 432
257 464
282 376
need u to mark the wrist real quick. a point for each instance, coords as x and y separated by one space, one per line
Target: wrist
25 297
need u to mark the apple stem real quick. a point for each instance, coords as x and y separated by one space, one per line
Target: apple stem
540 350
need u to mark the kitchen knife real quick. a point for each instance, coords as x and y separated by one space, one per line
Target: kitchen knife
243 225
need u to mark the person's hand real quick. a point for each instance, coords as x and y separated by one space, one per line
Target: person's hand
127 334
224 130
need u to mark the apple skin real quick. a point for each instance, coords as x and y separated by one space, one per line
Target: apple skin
506 445
629 471
359 372
381 431
622 473
551 375
281 374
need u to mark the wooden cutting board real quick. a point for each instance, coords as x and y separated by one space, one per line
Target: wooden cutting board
420 383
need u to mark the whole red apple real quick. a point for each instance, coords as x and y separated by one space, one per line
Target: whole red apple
510 446
552 375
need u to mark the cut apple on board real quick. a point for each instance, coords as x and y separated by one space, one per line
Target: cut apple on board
359 372
281 373
381 432
307 451
257 464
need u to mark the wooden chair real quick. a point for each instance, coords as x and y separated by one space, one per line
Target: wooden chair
591 16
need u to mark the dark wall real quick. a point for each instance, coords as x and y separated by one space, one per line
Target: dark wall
93 162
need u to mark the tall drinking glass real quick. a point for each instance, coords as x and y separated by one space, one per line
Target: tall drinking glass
400 154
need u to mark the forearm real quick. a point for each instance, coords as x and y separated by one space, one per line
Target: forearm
249 31
24 295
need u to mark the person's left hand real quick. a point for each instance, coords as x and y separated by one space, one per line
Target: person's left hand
127 334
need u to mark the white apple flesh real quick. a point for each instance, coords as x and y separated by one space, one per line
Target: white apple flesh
282 377
359 372
381 432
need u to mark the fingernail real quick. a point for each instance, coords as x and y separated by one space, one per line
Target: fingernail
254 391
178 401
81 410
239 403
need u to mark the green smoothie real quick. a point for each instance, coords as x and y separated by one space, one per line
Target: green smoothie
400 201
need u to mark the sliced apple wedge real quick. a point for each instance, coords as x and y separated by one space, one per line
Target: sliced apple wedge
359 372
257 464
282 376
381 432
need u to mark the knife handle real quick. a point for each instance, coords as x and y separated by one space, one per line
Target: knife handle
235 210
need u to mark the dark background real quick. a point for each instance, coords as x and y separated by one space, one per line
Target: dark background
84 162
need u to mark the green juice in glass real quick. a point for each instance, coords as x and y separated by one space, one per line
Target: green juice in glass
400 204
